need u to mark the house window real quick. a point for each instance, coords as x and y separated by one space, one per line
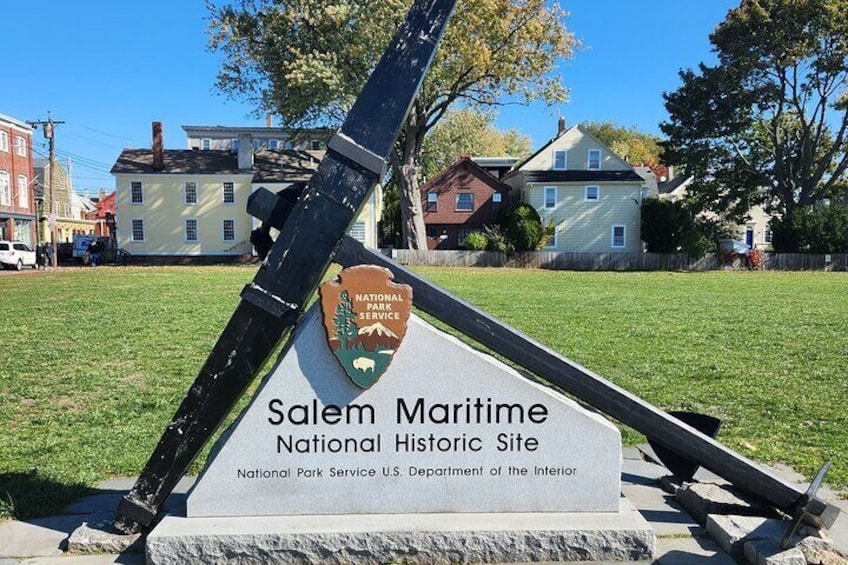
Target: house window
235 144
432 232
465 202
432 202
560 160
228 230
5 190
23 191
137 230
357 231
592 193
273 144
594 161
20 146
289 145
4 142
228 193
191 193
316 145
497 197
550 196
767 235
618 237
256 143
191 229
206 144
136 192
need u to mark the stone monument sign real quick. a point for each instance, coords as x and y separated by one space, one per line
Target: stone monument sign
446 428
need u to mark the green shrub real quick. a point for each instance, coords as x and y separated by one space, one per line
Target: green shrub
524 228
496 240
475 241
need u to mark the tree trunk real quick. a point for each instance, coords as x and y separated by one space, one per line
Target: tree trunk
407 168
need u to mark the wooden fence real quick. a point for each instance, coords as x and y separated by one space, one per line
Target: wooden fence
615 261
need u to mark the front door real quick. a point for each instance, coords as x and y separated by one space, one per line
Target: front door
749 237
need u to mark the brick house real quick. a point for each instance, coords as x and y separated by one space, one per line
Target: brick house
17 198
461 199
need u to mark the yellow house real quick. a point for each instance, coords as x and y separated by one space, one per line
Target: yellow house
191 204
592 196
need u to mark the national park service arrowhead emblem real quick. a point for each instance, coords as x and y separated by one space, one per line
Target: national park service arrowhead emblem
365 316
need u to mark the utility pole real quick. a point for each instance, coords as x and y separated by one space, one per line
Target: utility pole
48 129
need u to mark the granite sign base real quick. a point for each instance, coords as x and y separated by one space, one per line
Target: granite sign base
407 538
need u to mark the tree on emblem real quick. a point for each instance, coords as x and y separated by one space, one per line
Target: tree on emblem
344 321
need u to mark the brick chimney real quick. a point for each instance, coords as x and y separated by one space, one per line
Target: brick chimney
268 121
245 151
158 147
560 126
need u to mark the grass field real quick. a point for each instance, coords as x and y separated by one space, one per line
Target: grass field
94 362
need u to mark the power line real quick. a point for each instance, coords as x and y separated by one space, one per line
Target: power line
107 134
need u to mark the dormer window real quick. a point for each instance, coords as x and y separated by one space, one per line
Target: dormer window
560 161
594 160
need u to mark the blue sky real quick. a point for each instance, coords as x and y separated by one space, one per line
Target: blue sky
108 69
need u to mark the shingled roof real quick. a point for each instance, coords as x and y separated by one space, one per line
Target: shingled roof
582 176
270 166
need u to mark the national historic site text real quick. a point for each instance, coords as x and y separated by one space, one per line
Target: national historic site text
477 425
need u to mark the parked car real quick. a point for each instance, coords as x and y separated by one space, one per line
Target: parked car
16 255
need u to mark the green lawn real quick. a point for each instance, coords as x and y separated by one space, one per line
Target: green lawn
94 362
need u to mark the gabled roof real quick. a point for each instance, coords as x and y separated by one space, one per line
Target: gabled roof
673 184
473 168
269 165
519 166
178 161
235 130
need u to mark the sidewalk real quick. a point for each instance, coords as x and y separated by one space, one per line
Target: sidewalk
680 540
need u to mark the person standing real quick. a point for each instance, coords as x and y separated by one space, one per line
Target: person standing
48 255
39 256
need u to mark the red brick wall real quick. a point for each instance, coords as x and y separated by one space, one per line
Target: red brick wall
16 165
447 220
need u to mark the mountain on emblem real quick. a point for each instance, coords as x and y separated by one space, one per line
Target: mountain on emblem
365 316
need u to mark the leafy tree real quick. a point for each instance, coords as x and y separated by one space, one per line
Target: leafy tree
664 225
307 60
469 131
813 229
767 124
638 147
670 227
345 321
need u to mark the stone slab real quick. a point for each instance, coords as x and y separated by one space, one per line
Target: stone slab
702 499
768 552
732 532
410 538
100 536
446 429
